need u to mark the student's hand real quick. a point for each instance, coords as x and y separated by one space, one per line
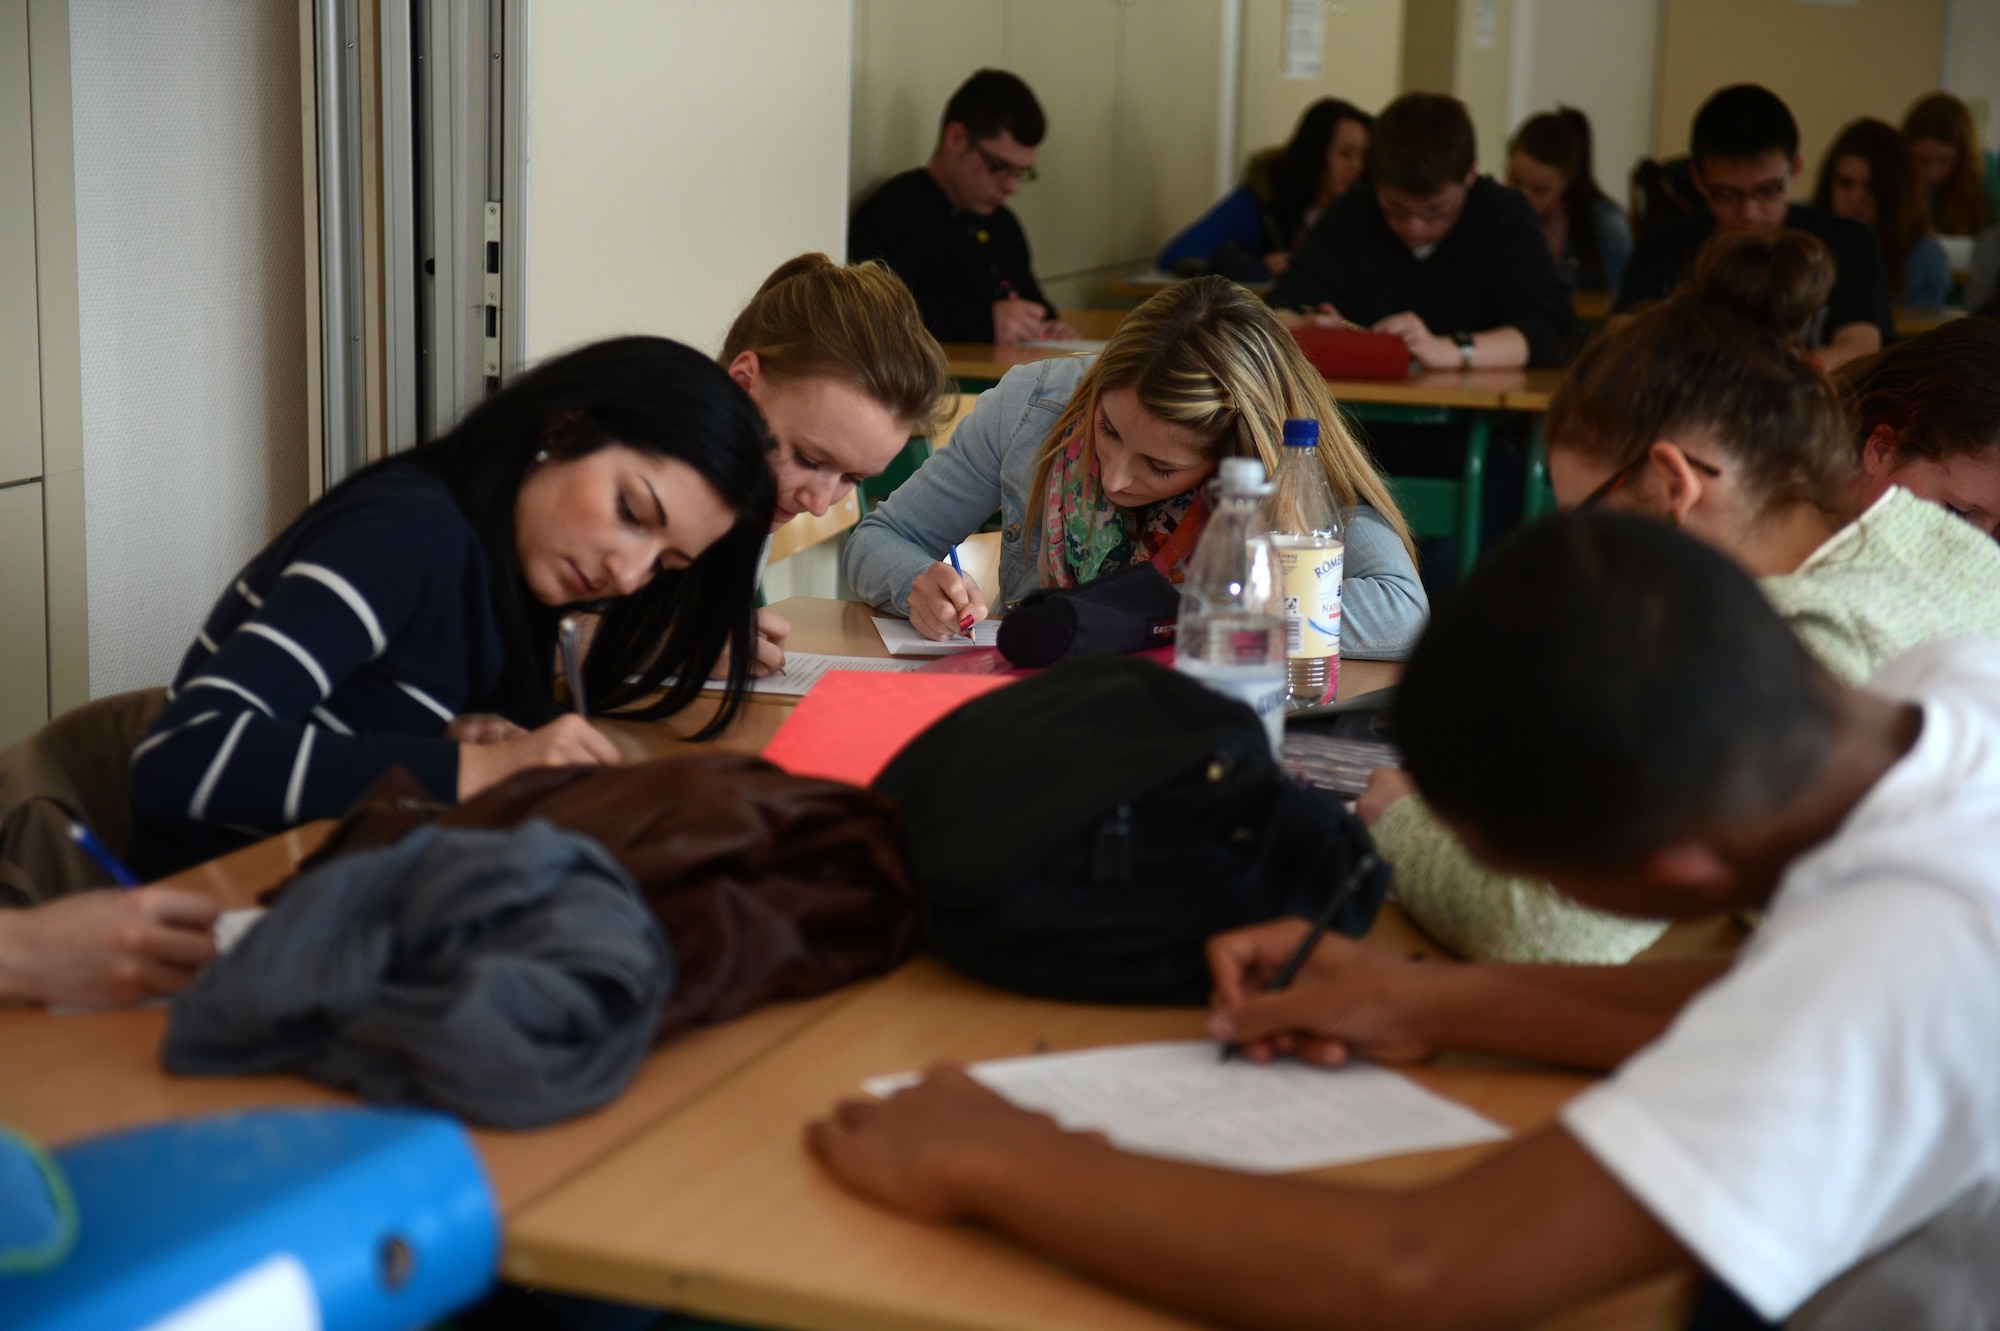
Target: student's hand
1277 261
1431 351
104 949
567 741
482 728
1325 316
772 630
1060 330
1018 321
1344 1000
908 1152
941 600
1386 785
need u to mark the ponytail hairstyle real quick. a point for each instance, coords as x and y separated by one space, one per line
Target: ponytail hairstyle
1209 355
858 324
1300 169
1900 217
1959 206
1561 139
1722 357
1939 393
660 398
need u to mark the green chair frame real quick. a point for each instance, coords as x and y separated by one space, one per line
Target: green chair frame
1437 508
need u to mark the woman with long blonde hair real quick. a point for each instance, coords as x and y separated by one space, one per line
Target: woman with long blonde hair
1098 463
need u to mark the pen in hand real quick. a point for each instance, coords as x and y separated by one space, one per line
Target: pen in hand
570 633
951 553
88 843
1290 970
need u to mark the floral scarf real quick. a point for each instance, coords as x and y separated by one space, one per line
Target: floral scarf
1084 536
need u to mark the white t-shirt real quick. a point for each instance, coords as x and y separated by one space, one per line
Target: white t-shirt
1840 1086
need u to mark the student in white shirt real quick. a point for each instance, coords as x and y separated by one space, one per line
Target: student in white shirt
1613 706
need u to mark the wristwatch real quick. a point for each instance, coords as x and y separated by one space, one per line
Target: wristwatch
1464 340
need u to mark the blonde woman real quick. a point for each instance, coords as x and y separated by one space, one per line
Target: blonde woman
839 363
1097 464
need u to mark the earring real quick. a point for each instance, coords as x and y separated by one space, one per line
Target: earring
541 455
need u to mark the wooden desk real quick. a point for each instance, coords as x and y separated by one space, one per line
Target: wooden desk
988 362
1471 390
1910 322
720 1211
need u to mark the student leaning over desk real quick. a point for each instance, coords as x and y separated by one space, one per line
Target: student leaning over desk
1704 413
411 612
1097 464
1814 1120
1926 417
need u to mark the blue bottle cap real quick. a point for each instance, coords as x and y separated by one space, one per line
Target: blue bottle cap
1301 432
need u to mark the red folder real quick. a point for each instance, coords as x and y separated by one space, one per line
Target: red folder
854 721
1353 353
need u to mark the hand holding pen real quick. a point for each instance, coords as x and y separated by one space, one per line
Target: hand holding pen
945 602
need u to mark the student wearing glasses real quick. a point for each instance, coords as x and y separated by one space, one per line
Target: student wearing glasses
1706 414
1745 146
945 228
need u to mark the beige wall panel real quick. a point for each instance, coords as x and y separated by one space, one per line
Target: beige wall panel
1362 64
1067 50
1830 63
1600 56
1485 75
1430 46
69 590
1169 76
909 55
1975 64
24 676
677 153
20 358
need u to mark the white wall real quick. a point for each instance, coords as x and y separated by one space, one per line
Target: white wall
1973 63
1600 56
191 309
678 150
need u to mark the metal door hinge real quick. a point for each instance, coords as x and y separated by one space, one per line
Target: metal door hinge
491 295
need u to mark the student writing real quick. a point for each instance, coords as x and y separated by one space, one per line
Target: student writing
1926 417
1866 178
1704 413
1098 463
1613 705
628 475
1549 162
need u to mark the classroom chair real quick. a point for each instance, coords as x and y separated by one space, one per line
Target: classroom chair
1437 508
74 768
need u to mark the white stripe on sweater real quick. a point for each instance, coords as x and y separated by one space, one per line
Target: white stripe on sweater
152 742
198 807
299 654
333 723
218 682
427 701
296 786
201 636
344 589
244 591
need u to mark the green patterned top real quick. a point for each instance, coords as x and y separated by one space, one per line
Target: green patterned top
1904 573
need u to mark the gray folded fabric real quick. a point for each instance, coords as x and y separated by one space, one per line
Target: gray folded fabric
511 977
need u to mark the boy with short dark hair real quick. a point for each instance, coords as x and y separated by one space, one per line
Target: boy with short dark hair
1745 150
945 229
1428 249
1613 706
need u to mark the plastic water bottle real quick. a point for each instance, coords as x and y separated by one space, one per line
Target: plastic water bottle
1306 534
1231 634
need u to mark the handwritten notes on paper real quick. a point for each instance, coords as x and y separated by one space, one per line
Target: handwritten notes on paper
1177 1100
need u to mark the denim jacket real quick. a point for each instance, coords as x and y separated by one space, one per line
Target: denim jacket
990 465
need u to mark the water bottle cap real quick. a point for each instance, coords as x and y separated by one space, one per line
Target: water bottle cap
1242 475
1301 432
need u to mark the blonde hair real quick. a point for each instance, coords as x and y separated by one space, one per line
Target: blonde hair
858 324
1209 355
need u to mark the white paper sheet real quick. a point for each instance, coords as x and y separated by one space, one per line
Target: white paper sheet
902 640
231 925
803 670
1178 1100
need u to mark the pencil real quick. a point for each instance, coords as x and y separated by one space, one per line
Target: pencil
1289 971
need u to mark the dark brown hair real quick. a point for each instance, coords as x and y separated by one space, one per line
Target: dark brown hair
993 102
1722 357
1959 208
1561 139
1421 143
858 324
1300 167
1900 217
1939 392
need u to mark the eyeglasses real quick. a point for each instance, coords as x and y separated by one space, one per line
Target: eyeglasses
1631 469
1004 169
1445 210
1722 196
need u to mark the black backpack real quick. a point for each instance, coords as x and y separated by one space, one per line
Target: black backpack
1082 833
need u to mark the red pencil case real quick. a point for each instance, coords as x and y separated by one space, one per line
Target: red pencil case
1353 353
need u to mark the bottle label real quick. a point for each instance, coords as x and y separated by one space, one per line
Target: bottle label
1311 580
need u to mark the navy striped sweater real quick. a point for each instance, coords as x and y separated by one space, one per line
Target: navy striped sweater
341 651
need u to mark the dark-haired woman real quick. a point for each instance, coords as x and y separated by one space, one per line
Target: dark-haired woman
1926 417
1866 178
1249 235
1705 412
1944 152
417 601
1549 161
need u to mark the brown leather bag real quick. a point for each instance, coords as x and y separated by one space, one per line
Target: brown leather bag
767 885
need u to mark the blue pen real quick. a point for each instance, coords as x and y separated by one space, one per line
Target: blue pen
91 846
951 553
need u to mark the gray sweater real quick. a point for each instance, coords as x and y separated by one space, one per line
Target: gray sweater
990 465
